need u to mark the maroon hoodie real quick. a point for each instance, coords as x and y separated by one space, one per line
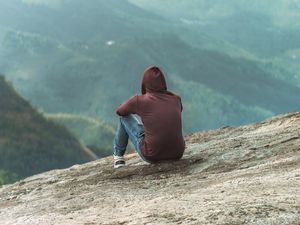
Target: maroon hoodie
160 111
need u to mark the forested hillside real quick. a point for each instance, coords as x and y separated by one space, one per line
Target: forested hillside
266 28
29 143
95 134
88 57
267 31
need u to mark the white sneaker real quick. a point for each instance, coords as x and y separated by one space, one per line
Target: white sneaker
119 161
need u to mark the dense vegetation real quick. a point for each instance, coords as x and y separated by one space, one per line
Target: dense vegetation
267 31
95 134
29 143
90 64
267 28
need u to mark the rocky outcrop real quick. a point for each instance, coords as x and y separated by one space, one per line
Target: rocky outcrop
233 175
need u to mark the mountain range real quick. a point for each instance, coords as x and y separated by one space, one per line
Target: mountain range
88 57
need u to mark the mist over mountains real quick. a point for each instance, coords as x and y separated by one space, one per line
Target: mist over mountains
87 57
267 27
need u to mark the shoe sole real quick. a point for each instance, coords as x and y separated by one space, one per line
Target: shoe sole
118 166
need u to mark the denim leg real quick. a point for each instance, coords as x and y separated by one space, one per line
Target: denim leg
120 141
134 130
128 128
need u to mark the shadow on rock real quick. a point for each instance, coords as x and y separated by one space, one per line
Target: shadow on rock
181 166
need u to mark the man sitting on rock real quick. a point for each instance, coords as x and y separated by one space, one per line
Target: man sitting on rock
152 121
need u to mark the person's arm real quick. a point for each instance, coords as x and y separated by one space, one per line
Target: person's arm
128 107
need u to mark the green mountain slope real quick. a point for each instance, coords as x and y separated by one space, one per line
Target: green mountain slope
29 143
87 58
75 19
266 31
265 27
94 133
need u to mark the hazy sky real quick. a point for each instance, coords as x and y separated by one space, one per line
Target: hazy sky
51 3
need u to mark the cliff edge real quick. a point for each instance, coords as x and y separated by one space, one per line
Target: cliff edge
233 175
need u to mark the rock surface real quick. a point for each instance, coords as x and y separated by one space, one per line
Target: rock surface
233 175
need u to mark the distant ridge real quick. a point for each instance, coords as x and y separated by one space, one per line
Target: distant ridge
94 133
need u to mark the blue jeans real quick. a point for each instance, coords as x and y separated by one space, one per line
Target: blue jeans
128 128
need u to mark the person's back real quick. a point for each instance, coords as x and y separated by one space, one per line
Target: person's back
161 116
160 111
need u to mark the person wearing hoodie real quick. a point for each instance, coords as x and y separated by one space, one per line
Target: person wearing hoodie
152 121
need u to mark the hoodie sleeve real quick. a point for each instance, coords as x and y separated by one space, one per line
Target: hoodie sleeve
129 106
181 104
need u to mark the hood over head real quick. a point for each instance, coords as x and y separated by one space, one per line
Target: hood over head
153 80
